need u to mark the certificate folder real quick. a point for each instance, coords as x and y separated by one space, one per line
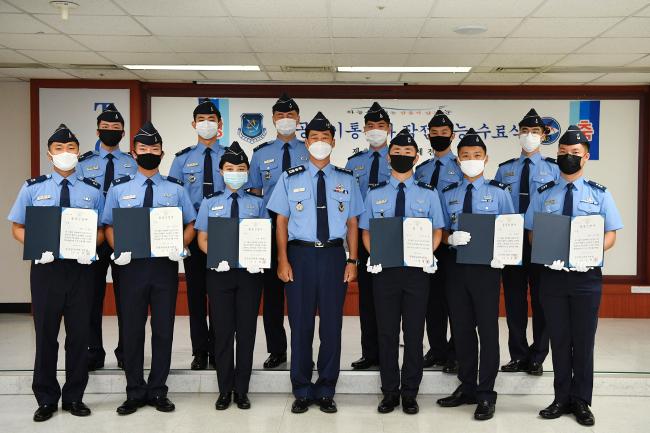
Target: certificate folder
223 242
42 231
480 249
131 232
386 246
551 236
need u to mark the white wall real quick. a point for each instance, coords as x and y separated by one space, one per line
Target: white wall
14 169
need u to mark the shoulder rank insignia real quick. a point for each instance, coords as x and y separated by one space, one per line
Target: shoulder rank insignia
214 194
551 160
498 184
354 155
181 152
597 185
450 187
379 185
86 155
295 170
38 179
256 148
121 180
546 186
91 182
343 170
425 185
508 161
253 193
177 181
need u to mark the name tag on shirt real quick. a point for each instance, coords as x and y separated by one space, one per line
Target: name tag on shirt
383 201
92 167
128 197
191 164
43 197
268 161
217 207
299 190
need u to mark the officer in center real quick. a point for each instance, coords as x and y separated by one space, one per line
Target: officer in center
317 206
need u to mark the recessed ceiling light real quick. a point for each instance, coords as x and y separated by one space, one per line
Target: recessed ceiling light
64 7
400 69
194 67
470 29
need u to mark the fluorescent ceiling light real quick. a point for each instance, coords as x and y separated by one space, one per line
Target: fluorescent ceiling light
416 69
194 67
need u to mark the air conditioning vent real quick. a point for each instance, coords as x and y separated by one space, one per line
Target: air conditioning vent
306 68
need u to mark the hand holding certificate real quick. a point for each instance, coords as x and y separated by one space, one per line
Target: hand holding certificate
499 237
398 241
244 243
148 232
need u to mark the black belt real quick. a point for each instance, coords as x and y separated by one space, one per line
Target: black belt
317 244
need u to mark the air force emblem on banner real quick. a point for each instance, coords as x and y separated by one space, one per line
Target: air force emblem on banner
252 128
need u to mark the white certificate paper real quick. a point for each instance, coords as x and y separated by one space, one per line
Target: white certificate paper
166 231
509 239
78 233
418 242
255 243
587 240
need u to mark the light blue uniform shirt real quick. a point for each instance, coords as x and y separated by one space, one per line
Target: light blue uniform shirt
92 165
188 167
266 164
540 171
129 192
589 198
449 171
420 200
361 163
487 198
45 190
219 205
295 198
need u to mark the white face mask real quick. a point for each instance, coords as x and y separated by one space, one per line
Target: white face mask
530 142
286 126
472 167
235 179
65 161
376 137
320 150
207 129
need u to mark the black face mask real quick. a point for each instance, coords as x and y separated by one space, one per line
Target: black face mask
401 163
439 142
569 164
148 161
110 137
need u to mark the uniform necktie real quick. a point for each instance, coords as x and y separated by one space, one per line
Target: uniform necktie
109 174
467 203
568 200
286 158
400 203
373 179
322 226
524 189
208 185
234 206
64 201
435 175
148 194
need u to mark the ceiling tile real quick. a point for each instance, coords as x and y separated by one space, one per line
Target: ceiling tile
444 27
291 45
363 27
95 25
22 23
270 27
521 60
35 73
294 59
644 13
624 78
205 45
617 45
635 27
598 59
587 8
302 76
569 78
6 7
366 78
86 7
184 26
173 8
373 45
433 78
142 58
66 57
218 58
370 9
643 61
276 8
474 8
235 76
540 46
456 45
102 74
445 60
40 42
122 43
574 27
10 56
170 75
370 59
487 78
11 80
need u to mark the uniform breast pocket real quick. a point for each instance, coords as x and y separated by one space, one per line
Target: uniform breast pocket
298 201
166 200
83 203
552 208
588 208
192 174
342 203
250 211
511 180
127 201
488 207
217 211
269 171
420 209
383 210
92 172
49 201
540 180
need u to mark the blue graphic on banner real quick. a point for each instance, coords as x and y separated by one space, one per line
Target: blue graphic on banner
252 127
554 130
586 116
223 136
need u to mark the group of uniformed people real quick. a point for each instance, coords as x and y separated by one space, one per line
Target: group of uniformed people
316 210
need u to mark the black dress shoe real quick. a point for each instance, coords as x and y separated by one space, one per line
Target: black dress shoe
223 402
212 363
555 410
275 360
364 363
451 367
583 413
410 405
242 401
95 365
458 398
514 366
327 405
300 405
130 406
44 412
388 403
484 410
431 361
162 404
200 362
120 364
76 408
536 369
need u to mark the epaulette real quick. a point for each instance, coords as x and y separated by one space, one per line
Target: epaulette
173 179
426 162
253 193
261 146
38 179
546 186
508 161
498 184
91 182
343 170
181 152
450 187
295 170
121 180
379 185
549 159
425 185
214 194
597 185
354 155
86 155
